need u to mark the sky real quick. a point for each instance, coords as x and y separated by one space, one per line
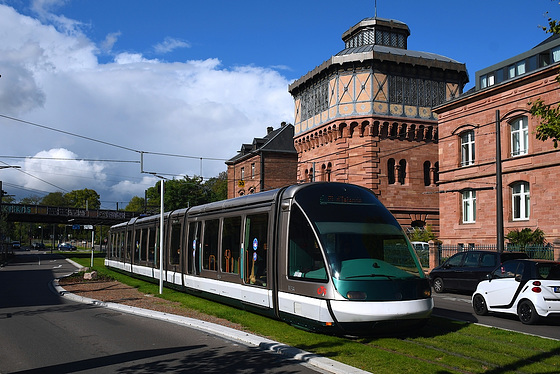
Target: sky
100 93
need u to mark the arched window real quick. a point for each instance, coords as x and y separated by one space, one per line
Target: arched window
436 173
519 137
427 178
391 171
328 172
520 201
402 171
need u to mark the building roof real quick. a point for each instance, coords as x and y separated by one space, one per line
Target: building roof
365 42
280 140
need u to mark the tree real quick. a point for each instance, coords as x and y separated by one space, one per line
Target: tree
549 128
31 200
54 199
218 186
526 237
421 234
85 198
136 204
186 192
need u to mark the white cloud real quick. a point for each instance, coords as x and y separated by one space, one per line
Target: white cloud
62 170
196 108
170 44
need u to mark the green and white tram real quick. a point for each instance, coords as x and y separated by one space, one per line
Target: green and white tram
327 257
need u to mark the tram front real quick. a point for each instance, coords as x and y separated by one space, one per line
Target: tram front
344 242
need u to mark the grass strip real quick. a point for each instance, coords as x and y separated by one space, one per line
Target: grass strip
442 346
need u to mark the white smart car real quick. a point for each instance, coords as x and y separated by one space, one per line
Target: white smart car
528 288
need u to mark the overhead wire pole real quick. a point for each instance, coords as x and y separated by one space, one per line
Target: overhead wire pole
499 197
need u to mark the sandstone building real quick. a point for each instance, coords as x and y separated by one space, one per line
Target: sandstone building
364 116
468 152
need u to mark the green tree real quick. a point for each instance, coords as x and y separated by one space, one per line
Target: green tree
421 234
85 198
526 237
31 200
136 204
218 187
549 127
55 199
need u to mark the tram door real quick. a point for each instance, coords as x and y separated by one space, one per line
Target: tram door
193 248
256 249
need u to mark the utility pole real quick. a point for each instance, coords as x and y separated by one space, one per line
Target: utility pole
499 198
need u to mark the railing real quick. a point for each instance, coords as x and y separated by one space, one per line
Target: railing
544 252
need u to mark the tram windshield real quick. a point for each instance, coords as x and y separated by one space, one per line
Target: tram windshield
359 236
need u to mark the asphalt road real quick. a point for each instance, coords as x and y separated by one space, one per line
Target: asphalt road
40 332
459 307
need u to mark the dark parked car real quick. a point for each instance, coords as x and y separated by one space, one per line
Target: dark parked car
38 246
16 244
66 247
464 270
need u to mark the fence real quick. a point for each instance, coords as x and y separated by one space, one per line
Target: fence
543 252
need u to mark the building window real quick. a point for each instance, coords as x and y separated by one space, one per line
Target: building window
391 171
427 168
253 170
467 148
556 54
519 137
520 200
469 206
402 171
243 173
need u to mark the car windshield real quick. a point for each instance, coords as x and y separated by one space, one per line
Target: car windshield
360 238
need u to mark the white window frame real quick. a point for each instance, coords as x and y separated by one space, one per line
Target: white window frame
519 137
469 206
520 201
467 148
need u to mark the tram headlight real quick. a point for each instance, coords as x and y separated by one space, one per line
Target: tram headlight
356 295
427 292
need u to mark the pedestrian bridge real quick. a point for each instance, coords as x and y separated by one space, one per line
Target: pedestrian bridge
61 215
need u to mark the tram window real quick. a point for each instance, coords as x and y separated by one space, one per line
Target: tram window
304 255
231 244
193 262
256 234
151 243
175 245
136 246
210 244
128 243
144 245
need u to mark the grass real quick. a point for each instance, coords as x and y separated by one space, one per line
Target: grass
442 346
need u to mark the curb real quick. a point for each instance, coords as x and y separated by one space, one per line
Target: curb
265 344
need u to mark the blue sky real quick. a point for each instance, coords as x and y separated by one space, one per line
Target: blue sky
193 78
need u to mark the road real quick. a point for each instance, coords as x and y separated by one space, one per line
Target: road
458 306
44 333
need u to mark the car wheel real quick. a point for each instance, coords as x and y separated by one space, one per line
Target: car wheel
438 285
479 305
527 313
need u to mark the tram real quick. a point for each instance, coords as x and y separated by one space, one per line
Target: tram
326 257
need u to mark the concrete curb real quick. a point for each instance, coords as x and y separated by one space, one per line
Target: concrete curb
265 344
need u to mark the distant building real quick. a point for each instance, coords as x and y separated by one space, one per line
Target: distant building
467 152
364 117
267 163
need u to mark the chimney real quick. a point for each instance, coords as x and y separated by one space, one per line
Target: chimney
269 129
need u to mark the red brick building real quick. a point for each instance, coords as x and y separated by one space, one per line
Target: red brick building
364 117
529 167
267 163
